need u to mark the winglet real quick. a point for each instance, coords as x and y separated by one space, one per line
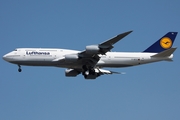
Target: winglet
163 43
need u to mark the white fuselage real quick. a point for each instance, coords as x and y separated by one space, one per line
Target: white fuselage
55 57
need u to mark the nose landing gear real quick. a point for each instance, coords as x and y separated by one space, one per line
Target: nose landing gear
19 69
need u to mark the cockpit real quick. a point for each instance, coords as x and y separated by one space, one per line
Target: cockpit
11 56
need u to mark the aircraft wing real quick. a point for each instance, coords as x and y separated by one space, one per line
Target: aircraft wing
108 45
103 47
103 71
98 72
85 62
90 54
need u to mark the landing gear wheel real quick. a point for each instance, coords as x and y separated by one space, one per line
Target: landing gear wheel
85 76
84 67
92 71
19 70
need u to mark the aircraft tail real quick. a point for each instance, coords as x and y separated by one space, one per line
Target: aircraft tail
163 43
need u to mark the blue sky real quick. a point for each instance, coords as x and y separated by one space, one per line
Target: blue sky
41 93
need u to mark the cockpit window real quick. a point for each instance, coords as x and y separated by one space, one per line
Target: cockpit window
15 50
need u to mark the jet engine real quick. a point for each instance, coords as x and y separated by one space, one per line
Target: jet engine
71 72
92 49
71 58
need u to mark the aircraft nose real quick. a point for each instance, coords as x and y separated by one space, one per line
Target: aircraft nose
5 57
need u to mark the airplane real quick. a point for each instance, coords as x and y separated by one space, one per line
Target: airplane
90 61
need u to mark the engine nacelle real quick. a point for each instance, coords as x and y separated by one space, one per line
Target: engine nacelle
71 58
71 73
92 49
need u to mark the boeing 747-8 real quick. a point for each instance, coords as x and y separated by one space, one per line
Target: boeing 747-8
90 61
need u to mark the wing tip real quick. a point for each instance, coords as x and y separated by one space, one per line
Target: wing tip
128 32
118 72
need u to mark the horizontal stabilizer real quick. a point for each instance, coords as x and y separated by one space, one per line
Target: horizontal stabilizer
165 53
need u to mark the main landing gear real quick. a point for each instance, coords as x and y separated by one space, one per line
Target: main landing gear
19 69
88 71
